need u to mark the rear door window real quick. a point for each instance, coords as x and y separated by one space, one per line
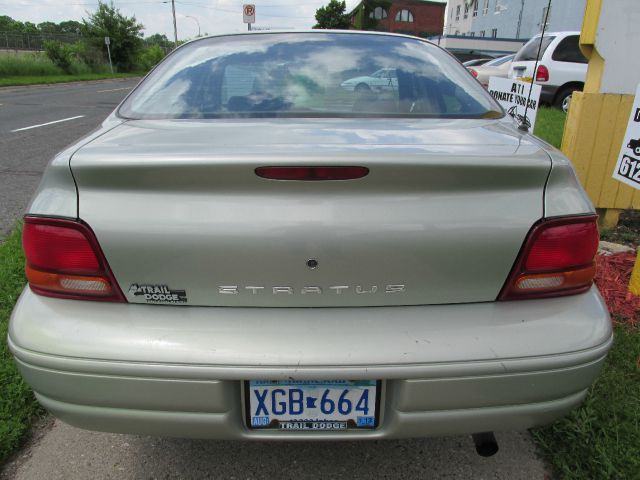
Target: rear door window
568 50
530 50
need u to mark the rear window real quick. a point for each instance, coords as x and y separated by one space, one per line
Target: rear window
530 49
499 61
568 50
309 74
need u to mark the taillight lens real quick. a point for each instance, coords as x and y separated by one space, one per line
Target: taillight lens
557 259
473 72
542 74
64 260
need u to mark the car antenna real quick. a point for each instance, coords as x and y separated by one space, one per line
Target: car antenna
522 124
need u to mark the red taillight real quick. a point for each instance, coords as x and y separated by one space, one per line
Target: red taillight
312 173
473 72
542 74
557 259
64 260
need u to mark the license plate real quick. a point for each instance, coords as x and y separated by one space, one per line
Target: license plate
312 405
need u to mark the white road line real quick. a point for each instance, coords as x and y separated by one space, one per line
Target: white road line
114 89
48 123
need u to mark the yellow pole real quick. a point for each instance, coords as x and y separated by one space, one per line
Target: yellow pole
634 283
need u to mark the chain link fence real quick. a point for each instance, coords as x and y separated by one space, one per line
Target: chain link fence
32 41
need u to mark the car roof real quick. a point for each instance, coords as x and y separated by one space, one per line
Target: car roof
311 31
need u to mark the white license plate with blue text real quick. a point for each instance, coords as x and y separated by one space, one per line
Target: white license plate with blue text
312 405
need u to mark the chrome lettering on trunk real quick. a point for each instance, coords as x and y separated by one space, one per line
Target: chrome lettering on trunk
312 289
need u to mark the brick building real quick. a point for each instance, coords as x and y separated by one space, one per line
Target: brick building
422 18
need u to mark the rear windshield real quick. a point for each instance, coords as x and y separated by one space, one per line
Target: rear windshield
499 61
529 51
309 74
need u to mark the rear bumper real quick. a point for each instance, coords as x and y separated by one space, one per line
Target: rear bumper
178 371
548 93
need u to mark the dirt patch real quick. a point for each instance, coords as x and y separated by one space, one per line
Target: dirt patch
628 230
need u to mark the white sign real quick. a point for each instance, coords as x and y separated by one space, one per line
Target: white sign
512 95
628 164
249 13
107 40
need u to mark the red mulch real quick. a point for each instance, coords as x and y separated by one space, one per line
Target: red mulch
612 279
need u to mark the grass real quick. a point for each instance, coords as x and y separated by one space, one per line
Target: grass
601 439
32 64
48 79
550 125
37 69
17 403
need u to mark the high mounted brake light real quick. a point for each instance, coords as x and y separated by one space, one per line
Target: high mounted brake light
557 259
64 260
312 173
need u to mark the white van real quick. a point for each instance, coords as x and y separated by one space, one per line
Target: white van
562 68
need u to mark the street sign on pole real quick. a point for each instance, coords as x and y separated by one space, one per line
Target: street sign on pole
249 14
107 42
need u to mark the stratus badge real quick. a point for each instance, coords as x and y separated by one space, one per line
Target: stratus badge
158 293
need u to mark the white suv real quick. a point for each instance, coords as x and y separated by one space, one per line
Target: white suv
562 68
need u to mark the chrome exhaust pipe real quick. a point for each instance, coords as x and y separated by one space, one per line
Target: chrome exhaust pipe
486 444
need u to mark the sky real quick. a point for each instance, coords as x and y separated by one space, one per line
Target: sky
214 16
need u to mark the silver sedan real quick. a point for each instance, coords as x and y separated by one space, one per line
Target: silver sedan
247 250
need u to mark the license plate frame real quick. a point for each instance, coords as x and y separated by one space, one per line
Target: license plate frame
276 422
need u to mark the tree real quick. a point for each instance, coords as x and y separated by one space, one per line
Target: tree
70 26
49 27
125 33
333 16
159 39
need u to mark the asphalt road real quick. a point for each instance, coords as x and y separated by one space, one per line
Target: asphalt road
58 451
25 153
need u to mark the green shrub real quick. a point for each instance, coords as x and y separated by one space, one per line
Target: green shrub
93 58
150 57
60 54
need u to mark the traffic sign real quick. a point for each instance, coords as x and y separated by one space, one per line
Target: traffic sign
249 13
107 41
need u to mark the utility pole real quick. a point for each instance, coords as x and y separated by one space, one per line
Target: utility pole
520 19
175 27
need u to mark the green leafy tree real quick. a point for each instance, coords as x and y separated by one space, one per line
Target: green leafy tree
48 27
70 27
8 24
125 33
159 39
333 15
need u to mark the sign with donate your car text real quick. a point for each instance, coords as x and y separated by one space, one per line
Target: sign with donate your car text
628 164
512 95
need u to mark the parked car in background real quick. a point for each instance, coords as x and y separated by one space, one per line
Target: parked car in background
476 61
380 80
562 68
495 68
283 259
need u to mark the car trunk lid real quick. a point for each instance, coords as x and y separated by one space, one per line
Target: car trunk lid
183 218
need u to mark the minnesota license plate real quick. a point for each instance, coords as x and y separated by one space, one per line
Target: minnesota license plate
312 405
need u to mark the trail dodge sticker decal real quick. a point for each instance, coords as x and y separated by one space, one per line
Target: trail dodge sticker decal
628 165
158 294
512 95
